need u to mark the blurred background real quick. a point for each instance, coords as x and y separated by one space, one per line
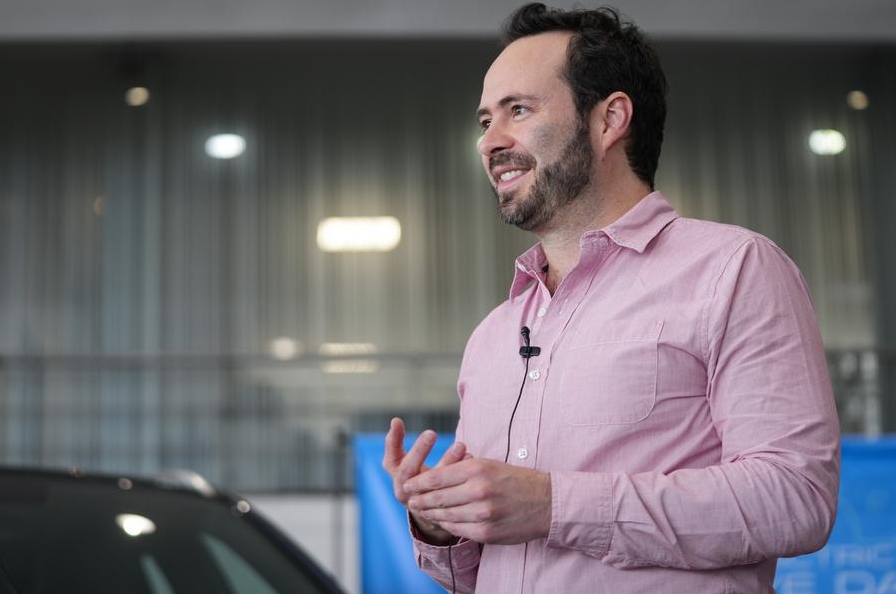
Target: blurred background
233 235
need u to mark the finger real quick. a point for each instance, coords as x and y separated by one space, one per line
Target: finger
469 530
456 453
413 462
439 500
446 476
394 452
463 514
462 520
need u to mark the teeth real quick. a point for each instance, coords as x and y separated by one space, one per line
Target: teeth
508 175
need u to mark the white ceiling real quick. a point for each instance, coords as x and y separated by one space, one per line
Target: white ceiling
816 20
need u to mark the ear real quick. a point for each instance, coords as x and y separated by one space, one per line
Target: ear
611 119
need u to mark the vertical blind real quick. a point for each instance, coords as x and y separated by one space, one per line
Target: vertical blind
142 282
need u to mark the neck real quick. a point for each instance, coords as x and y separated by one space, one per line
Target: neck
560 239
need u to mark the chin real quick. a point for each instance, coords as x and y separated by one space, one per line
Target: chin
506 199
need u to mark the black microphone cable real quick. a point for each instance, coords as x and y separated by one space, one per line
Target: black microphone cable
451 567
526 352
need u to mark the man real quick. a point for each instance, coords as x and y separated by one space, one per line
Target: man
676 432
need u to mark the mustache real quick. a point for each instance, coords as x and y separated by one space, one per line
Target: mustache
515 159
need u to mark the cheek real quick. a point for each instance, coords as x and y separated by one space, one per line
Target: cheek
546 141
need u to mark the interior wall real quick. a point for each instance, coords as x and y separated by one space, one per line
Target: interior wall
141 282
881 208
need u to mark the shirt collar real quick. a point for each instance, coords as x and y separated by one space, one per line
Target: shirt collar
641 224
633 230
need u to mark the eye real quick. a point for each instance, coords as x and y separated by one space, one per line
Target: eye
519 110
484 124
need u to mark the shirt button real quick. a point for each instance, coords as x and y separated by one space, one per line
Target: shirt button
522 453
534 374
542 311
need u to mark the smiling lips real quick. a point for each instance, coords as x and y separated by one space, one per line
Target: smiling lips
506 177
509 175
507 168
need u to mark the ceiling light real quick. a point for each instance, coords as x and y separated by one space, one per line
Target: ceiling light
284 349
350 366
827 142
358 234
136 96
225 146
346 349
135 525
857 100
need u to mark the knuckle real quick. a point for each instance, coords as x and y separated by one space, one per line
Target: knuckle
481 469
402 473
426 482
479 490
485 513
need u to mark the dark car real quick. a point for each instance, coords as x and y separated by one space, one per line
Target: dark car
70 532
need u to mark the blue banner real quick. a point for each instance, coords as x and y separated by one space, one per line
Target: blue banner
387 557
860 557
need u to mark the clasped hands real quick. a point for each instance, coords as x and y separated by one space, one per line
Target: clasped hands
462 496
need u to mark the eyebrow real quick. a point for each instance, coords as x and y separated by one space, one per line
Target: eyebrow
505 102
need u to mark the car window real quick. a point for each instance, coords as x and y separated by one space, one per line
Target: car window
158 583
239 574
5 585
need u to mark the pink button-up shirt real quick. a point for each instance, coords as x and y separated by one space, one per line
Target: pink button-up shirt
680 403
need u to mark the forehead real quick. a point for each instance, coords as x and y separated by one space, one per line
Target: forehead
529 65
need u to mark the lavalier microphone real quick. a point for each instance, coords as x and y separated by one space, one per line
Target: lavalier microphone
527 351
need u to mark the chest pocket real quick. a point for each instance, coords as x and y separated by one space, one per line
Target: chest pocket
609 373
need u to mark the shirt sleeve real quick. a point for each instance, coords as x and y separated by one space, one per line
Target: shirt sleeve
774 491
436 562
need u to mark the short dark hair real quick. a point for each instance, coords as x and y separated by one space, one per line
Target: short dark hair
606 54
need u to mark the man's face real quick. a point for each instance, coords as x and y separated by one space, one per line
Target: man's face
535 149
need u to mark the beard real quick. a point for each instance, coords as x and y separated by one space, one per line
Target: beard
556 185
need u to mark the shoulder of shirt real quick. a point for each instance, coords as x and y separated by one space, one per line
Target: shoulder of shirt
728 247
727 237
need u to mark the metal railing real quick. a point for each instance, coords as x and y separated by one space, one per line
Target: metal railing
253 423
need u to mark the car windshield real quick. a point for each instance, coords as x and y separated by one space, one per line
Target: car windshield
59 534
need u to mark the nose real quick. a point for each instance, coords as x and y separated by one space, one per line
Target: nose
493 140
